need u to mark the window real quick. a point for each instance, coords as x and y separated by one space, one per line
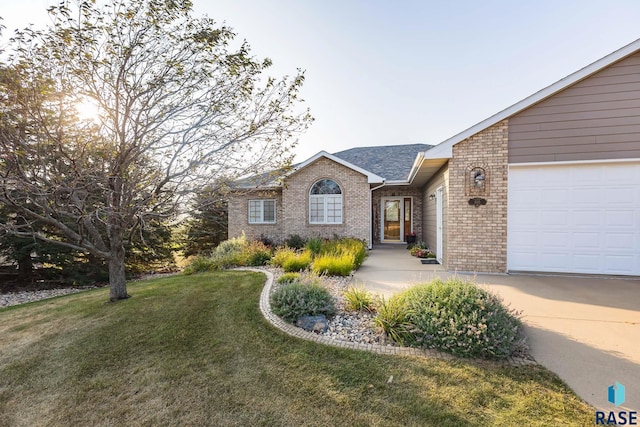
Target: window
325 203
262 211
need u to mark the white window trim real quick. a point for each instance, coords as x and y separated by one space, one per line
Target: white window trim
325 205
262 221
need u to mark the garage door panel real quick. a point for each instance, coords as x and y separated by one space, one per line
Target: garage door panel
526 259
580 218
555 261
587 196
619 264
527 196
587 263
619 241
621 196
619 218
555 218
525 239
557 197
587 177
588 219
525 219
554 240
586 241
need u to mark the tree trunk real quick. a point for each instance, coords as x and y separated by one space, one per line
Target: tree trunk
25 268
117 276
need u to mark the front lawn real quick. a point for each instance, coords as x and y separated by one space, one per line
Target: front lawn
195 350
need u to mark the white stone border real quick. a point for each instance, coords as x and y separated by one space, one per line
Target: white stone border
265 308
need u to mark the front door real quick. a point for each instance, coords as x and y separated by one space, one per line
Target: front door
396 218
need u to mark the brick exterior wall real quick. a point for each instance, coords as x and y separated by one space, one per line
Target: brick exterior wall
239 216
477 236
292 206
355 201
399 191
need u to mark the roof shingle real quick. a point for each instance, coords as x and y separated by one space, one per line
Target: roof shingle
392 162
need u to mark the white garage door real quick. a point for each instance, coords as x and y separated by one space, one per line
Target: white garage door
579 218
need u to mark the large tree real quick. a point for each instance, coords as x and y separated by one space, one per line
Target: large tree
181 104
207 225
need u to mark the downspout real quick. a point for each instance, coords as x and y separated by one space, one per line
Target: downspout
371 212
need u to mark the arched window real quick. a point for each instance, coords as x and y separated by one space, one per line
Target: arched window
325 203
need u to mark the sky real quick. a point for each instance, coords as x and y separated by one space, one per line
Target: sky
403 72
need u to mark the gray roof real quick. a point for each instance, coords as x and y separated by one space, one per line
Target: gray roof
392 162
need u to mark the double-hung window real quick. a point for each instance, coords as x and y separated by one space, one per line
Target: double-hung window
325 203
262 211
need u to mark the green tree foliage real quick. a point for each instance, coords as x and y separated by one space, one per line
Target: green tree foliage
207 226
181 104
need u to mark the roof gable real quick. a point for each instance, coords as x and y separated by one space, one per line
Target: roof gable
444 149
371 177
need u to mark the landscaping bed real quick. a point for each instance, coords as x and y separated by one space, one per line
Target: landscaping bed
313 290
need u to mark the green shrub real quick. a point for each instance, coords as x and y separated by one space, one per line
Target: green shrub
459 317
257 254
346 245
281 255
392 316
201 264
295 241
315 245
230 253
297 262
293 300
289 278
231 246
357 298
333 265
357 248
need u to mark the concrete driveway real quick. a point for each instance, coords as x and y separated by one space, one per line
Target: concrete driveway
585 329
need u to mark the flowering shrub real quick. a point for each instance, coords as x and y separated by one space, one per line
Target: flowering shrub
460 318
422 253
302 298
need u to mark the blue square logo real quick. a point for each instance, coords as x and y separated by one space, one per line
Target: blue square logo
616 394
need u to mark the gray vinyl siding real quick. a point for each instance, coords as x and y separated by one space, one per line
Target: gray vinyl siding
440 179
597 118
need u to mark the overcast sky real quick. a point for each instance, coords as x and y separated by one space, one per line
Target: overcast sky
401 72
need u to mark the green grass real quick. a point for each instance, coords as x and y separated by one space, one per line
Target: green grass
196 351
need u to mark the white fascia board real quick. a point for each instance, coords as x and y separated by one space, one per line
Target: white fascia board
371 177
416 166
534 99
397 182
440 151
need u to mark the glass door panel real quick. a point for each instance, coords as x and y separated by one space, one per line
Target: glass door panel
392 220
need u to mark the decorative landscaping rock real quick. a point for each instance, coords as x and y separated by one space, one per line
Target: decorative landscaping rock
317 324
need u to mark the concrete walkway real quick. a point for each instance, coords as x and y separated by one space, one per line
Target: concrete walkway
586 330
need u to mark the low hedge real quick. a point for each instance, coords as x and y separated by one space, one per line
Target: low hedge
455 316
299 298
